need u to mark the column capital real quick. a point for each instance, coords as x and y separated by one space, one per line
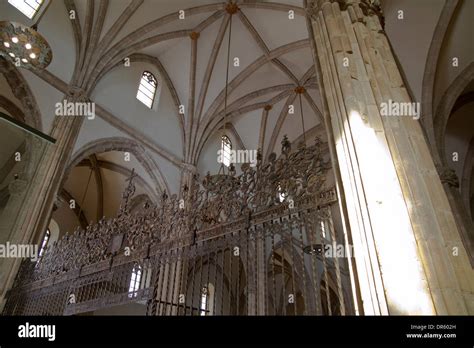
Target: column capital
317 5
373 8
58 202
189 167
367 7
448 176
76 94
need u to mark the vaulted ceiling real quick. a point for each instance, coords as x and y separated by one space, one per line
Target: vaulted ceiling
189 58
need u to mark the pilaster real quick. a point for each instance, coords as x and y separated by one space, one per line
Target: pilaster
32 216
408 251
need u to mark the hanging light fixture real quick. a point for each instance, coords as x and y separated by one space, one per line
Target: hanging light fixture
301 90
92 168
24 46
231 9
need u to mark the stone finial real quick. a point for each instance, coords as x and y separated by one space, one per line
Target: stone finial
285 145
232 170
259 155
372 8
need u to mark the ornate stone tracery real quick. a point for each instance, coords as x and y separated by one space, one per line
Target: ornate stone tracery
214 200
214 214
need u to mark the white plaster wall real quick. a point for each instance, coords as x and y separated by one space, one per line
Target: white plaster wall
96 129
459 132
148 13
56 27
208 160
46 97
248 128
293 126
266 76
66 219
457 43
118 157
171 173
411 37
117 94
113 13
77 186
6 91
273 115
293 29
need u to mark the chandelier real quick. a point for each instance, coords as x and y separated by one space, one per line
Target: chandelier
24 46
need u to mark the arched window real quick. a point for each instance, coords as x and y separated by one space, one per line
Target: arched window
135 281
28 7
46 237
226 149
203 306
281 194
206 306
323 228
147 89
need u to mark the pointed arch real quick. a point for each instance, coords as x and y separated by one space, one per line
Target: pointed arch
446 104
122 144
429 75
23 93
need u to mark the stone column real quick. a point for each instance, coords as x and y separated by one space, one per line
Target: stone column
408 251
32 218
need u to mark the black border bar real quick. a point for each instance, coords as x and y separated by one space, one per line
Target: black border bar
289 331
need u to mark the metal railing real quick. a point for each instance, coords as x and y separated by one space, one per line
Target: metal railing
229 246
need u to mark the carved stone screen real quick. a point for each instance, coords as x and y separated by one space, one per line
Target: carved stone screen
229 246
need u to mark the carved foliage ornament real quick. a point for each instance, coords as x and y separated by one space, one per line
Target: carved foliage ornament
368 7
208 203
448 176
